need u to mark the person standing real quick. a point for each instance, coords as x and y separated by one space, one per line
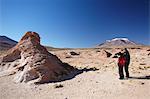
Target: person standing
127 57
121 64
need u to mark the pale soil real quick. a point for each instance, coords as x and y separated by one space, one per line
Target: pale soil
99 84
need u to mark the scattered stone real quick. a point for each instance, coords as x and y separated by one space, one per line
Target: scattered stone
142 83
108 53
148 50
59 86
135 48
74 53
122 82
68 57
147 67
141 68
142 63
98 51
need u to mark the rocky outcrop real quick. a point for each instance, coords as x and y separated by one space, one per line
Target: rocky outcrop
30 61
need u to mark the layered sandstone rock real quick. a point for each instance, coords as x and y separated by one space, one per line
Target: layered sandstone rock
30 61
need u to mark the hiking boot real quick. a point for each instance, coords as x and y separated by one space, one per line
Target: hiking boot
121 78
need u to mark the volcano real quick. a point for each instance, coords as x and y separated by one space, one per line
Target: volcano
118 42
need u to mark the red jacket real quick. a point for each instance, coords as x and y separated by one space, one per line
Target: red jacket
121 61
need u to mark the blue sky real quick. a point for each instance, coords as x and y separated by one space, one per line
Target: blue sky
76 23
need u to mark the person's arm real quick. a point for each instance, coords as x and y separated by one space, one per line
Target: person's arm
116 55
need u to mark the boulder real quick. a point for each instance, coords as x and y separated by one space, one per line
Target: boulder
108 53
74 53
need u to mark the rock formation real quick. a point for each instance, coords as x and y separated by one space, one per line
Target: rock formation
30 61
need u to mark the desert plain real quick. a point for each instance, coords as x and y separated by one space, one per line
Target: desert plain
98 79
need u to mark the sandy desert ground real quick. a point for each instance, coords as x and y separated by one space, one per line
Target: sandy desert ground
98 81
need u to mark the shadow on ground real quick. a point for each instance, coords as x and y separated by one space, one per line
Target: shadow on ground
141 77
72 74
77 72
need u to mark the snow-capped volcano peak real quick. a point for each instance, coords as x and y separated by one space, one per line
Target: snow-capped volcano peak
118 42
117 39
125 39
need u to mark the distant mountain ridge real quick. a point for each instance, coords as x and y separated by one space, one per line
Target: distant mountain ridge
6 43
118 42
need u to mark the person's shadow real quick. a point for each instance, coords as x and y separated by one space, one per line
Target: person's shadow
141 77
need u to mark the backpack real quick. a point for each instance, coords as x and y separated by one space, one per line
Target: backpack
121 61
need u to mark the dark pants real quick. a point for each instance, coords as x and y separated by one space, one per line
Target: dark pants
126 68
121 70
